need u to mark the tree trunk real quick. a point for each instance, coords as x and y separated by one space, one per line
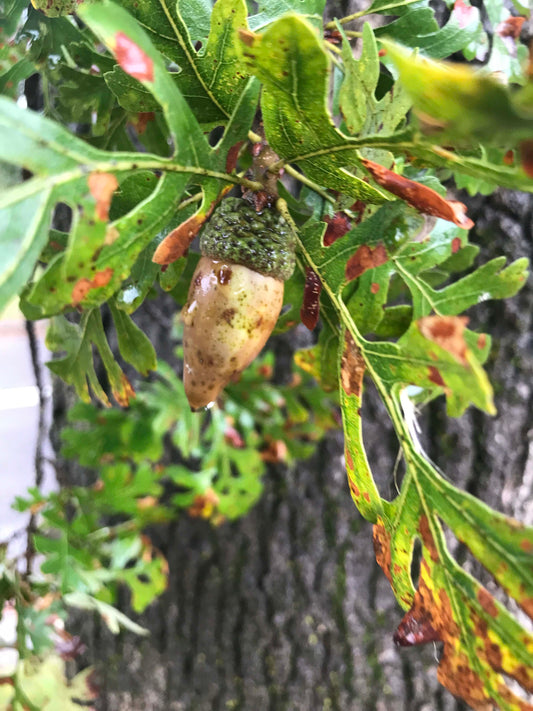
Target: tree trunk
286 609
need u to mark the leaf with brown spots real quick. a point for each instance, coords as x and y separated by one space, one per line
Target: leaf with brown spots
447 606
419 196
83 286
447 332
77 367
483 644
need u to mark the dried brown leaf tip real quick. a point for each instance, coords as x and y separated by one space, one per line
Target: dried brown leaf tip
177 242
365 258
132 59
447 332
337 227
102 186
310 310
419 196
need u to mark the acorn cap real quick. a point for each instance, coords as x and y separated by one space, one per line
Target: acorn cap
261 241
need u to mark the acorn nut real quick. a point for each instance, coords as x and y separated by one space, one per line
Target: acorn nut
235 296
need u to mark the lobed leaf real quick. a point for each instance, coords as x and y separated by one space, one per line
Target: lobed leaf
294 68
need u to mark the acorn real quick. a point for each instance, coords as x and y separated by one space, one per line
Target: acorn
235 296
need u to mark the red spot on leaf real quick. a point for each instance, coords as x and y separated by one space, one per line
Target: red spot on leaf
348 457
508 158
366 496
83 286
526 545
204 505
427 538
365 258
247 37
447 332
310 310
133 60
337 227
456 244
435 376
382 53
352 367
526 157
142 120
487 602
511 27
275 452
482 341
354 489
375 287
421 197
463 13
382 549
102 186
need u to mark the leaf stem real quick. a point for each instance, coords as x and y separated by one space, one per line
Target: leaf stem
333 48
345 20
310 183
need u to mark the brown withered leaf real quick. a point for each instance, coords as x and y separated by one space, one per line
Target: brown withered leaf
124 392
204 505
447 332
511 27
310 310
365 258
177 242
337 227
419 196
439 613
102 186
132 59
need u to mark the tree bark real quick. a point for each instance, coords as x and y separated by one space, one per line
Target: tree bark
286 609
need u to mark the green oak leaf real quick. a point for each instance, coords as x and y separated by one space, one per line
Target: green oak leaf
291 62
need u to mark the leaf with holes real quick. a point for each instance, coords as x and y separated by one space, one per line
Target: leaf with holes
212 78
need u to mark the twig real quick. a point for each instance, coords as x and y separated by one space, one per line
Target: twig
42 434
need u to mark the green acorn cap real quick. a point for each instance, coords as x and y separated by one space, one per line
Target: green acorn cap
261 241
